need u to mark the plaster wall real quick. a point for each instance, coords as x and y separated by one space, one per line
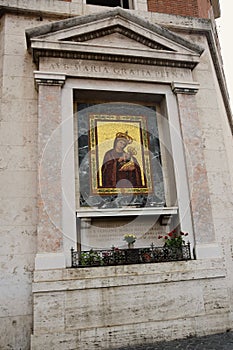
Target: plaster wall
218 150
1 56
18 178
216 143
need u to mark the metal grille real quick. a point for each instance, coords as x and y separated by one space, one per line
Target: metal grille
117 256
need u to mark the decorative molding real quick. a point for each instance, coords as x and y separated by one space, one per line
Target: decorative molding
120 30
189 88
123 58
47 78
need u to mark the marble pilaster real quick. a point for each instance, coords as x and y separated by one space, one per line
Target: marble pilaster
49 230
196 170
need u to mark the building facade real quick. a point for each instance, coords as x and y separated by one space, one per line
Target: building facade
77 79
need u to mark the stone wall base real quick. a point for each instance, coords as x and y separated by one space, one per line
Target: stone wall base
109 307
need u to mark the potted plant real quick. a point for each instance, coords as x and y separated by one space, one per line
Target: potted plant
174 239
90 258
173 242
130 239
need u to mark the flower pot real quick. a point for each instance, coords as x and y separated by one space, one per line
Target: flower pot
130 245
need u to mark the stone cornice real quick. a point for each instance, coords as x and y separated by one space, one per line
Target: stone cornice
158 60
189 88
47 78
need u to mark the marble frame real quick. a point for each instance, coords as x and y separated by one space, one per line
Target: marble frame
70 200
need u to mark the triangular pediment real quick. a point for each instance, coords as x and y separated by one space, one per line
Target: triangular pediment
118 36
115 33
115 39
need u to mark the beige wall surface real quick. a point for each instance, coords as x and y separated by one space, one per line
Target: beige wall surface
18 178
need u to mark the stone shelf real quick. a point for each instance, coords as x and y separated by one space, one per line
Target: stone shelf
126 211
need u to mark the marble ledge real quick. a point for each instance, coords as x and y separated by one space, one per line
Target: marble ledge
126 211
115 276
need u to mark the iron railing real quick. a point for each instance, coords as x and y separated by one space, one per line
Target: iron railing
117 256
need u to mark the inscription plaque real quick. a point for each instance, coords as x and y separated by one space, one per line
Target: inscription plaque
126 71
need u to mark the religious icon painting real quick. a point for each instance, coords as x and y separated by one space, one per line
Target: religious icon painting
119 155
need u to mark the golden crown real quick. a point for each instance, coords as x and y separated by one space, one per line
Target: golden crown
125 136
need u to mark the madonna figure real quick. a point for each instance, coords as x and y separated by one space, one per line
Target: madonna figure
120 168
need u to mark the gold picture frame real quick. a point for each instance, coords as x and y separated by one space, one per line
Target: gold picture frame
119 155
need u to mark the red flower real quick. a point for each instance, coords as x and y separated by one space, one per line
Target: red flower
159 237
147 257
170 234
165 237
